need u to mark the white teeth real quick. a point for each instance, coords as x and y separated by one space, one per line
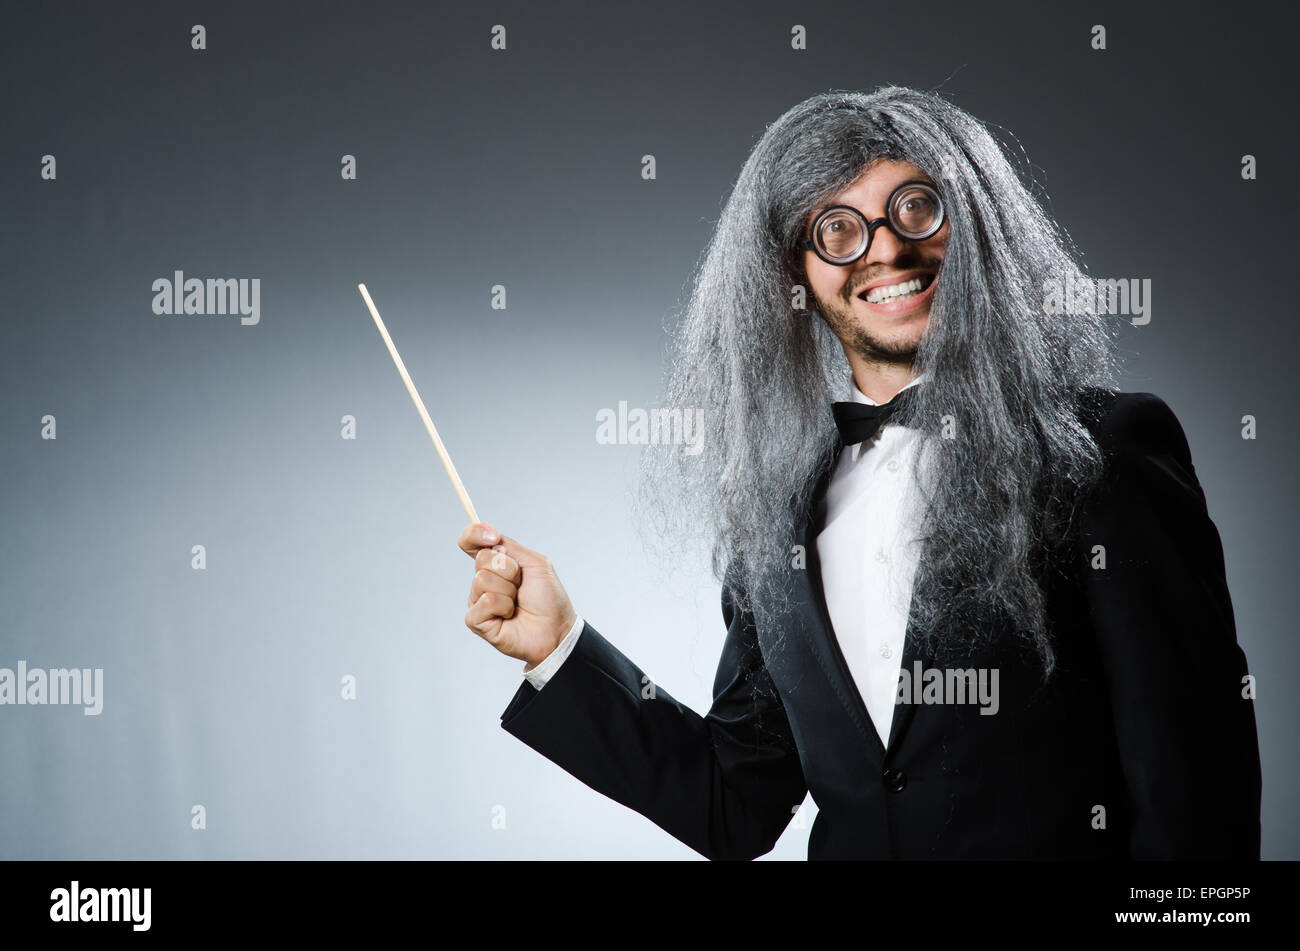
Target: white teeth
881 295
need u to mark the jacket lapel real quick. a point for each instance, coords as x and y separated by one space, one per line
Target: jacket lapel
814 623
903 711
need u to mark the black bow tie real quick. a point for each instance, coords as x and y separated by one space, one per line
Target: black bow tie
858 422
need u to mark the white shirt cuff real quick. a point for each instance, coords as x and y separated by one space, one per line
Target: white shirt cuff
543 672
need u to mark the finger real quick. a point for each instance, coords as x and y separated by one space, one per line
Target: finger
477 535
500 563
487 581
482 623
485 615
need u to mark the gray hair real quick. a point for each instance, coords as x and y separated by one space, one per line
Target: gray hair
1011 378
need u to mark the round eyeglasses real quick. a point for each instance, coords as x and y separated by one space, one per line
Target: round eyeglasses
841 235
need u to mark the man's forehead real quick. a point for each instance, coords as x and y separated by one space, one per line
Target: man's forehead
883 174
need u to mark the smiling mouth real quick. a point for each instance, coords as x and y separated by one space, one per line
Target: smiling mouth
897 292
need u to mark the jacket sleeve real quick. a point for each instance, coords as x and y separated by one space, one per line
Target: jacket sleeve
726 784
1163 618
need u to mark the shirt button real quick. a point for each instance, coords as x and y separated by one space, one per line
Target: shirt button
892 465
880 556
895 780
886 651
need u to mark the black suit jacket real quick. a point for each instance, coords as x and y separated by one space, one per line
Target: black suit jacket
1144 718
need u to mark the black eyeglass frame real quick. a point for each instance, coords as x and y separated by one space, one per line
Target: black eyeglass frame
869 227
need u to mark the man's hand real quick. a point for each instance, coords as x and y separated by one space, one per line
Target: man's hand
516 602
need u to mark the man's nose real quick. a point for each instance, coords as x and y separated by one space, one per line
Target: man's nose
886 247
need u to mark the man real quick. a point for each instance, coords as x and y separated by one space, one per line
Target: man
979 608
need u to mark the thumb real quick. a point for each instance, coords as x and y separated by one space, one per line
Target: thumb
524 556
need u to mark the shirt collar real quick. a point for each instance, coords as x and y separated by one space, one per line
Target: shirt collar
860 397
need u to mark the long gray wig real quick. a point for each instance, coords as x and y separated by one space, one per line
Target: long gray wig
1008 376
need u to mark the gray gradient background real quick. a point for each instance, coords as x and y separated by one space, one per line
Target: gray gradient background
328 557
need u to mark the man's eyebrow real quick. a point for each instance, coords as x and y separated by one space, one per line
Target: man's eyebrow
822 206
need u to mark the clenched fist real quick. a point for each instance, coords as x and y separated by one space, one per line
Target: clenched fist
516 602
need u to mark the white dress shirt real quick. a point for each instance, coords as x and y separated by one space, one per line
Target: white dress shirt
868 554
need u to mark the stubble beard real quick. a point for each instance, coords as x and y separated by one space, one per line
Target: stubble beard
861 341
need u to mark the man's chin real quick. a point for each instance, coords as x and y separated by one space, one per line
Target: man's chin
894 342
889 349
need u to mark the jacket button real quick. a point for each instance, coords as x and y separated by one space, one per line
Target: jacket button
895 780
